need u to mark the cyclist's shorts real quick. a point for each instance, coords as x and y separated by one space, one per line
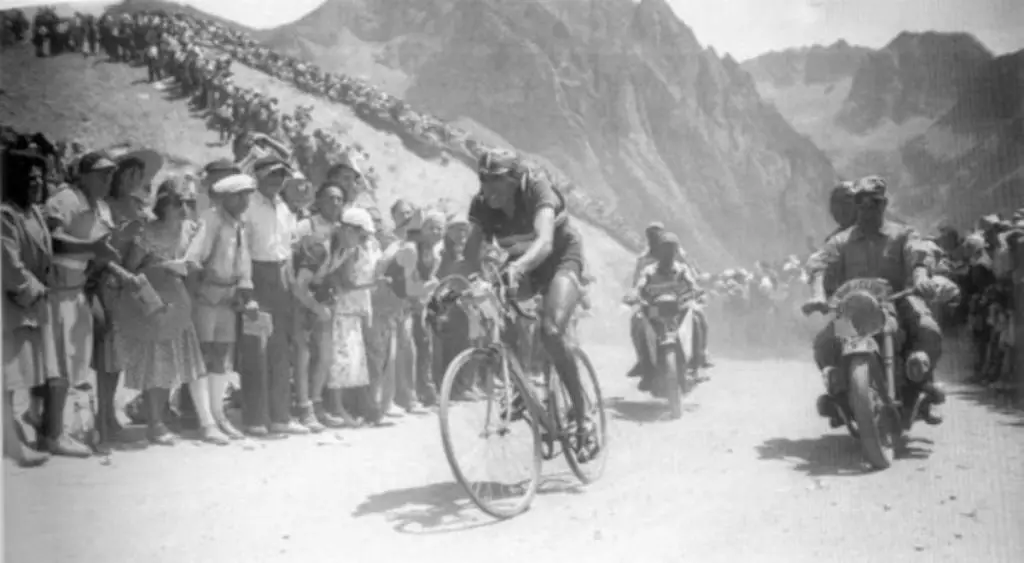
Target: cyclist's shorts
566 256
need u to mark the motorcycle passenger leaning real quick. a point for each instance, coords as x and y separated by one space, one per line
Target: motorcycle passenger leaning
875 247
844 212
654 233
668 275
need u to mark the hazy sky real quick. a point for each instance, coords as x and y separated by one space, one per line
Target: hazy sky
748 28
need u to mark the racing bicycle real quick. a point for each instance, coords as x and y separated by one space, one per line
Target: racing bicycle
515 405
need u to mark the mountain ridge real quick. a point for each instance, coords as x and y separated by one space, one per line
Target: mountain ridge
652 122
901 113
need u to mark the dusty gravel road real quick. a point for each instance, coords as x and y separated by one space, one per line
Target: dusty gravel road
749 474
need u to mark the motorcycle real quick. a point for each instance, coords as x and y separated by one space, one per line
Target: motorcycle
669 326
879 408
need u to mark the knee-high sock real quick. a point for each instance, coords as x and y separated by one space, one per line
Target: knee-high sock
200 391
218 388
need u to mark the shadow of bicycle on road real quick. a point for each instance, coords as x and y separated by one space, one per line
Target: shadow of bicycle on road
831 455
644 412
444 508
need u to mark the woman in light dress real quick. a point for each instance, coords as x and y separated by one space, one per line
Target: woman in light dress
357 277
162 351
129 200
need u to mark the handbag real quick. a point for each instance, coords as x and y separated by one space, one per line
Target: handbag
141 313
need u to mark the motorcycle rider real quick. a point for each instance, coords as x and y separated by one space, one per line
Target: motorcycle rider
877 248
667 275
655 233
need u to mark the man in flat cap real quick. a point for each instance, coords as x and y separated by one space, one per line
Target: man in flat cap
266 368
875 247
218 255
212 173
666 275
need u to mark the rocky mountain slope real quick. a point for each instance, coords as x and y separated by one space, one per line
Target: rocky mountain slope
971 160
915 75
877 110
619 95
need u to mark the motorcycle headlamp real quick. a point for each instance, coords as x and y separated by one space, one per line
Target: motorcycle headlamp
864 312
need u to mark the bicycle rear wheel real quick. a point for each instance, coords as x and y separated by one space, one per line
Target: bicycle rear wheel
592 469
515 486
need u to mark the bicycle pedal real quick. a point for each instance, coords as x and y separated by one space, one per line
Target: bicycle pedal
549 450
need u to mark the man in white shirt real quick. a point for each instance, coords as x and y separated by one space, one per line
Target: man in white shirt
266 366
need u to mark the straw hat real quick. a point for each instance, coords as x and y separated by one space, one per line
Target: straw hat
151 160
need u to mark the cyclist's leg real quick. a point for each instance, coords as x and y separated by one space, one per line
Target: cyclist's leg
560 299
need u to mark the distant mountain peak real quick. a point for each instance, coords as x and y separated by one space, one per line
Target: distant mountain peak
936 42
915 75
813 64
656 21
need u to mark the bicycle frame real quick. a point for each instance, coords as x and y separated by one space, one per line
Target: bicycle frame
512 371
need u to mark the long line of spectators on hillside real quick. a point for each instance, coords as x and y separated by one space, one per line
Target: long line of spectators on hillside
158 35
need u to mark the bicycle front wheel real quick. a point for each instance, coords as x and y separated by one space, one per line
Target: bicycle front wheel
502 485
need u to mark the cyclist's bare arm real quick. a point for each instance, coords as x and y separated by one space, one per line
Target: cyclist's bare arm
543 242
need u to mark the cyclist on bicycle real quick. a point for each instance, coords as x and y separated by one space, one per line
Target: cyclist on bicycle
520 208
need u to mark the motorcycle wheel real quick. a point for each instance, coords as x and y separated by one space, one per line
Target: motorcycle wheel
669 376
870 412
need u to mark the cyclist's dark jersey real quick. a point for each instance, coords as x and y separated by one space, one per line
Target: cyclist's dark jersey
514 234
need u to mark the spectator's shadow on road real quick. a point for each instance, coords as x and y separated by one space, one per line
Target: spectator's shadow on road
831 455
642 412
1002 402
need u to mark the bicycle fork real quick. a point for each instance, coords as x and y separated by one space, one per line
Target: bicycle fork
508 413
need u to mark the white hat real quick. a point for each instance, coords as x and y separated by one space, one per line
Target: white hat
358 217
236 183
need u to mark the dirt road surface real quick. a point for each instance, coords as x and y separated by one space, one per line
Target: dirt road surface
749 474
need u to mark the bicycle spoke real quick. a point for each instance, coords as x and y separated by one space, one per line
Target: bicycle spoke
504 453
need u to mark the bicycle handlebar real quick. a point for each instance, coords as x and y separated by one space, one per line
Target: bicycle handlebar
496 284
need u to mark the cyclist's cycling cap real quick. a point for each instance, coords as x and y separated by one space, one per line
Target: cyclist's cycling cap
497 162
655 227
670 239
871 187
